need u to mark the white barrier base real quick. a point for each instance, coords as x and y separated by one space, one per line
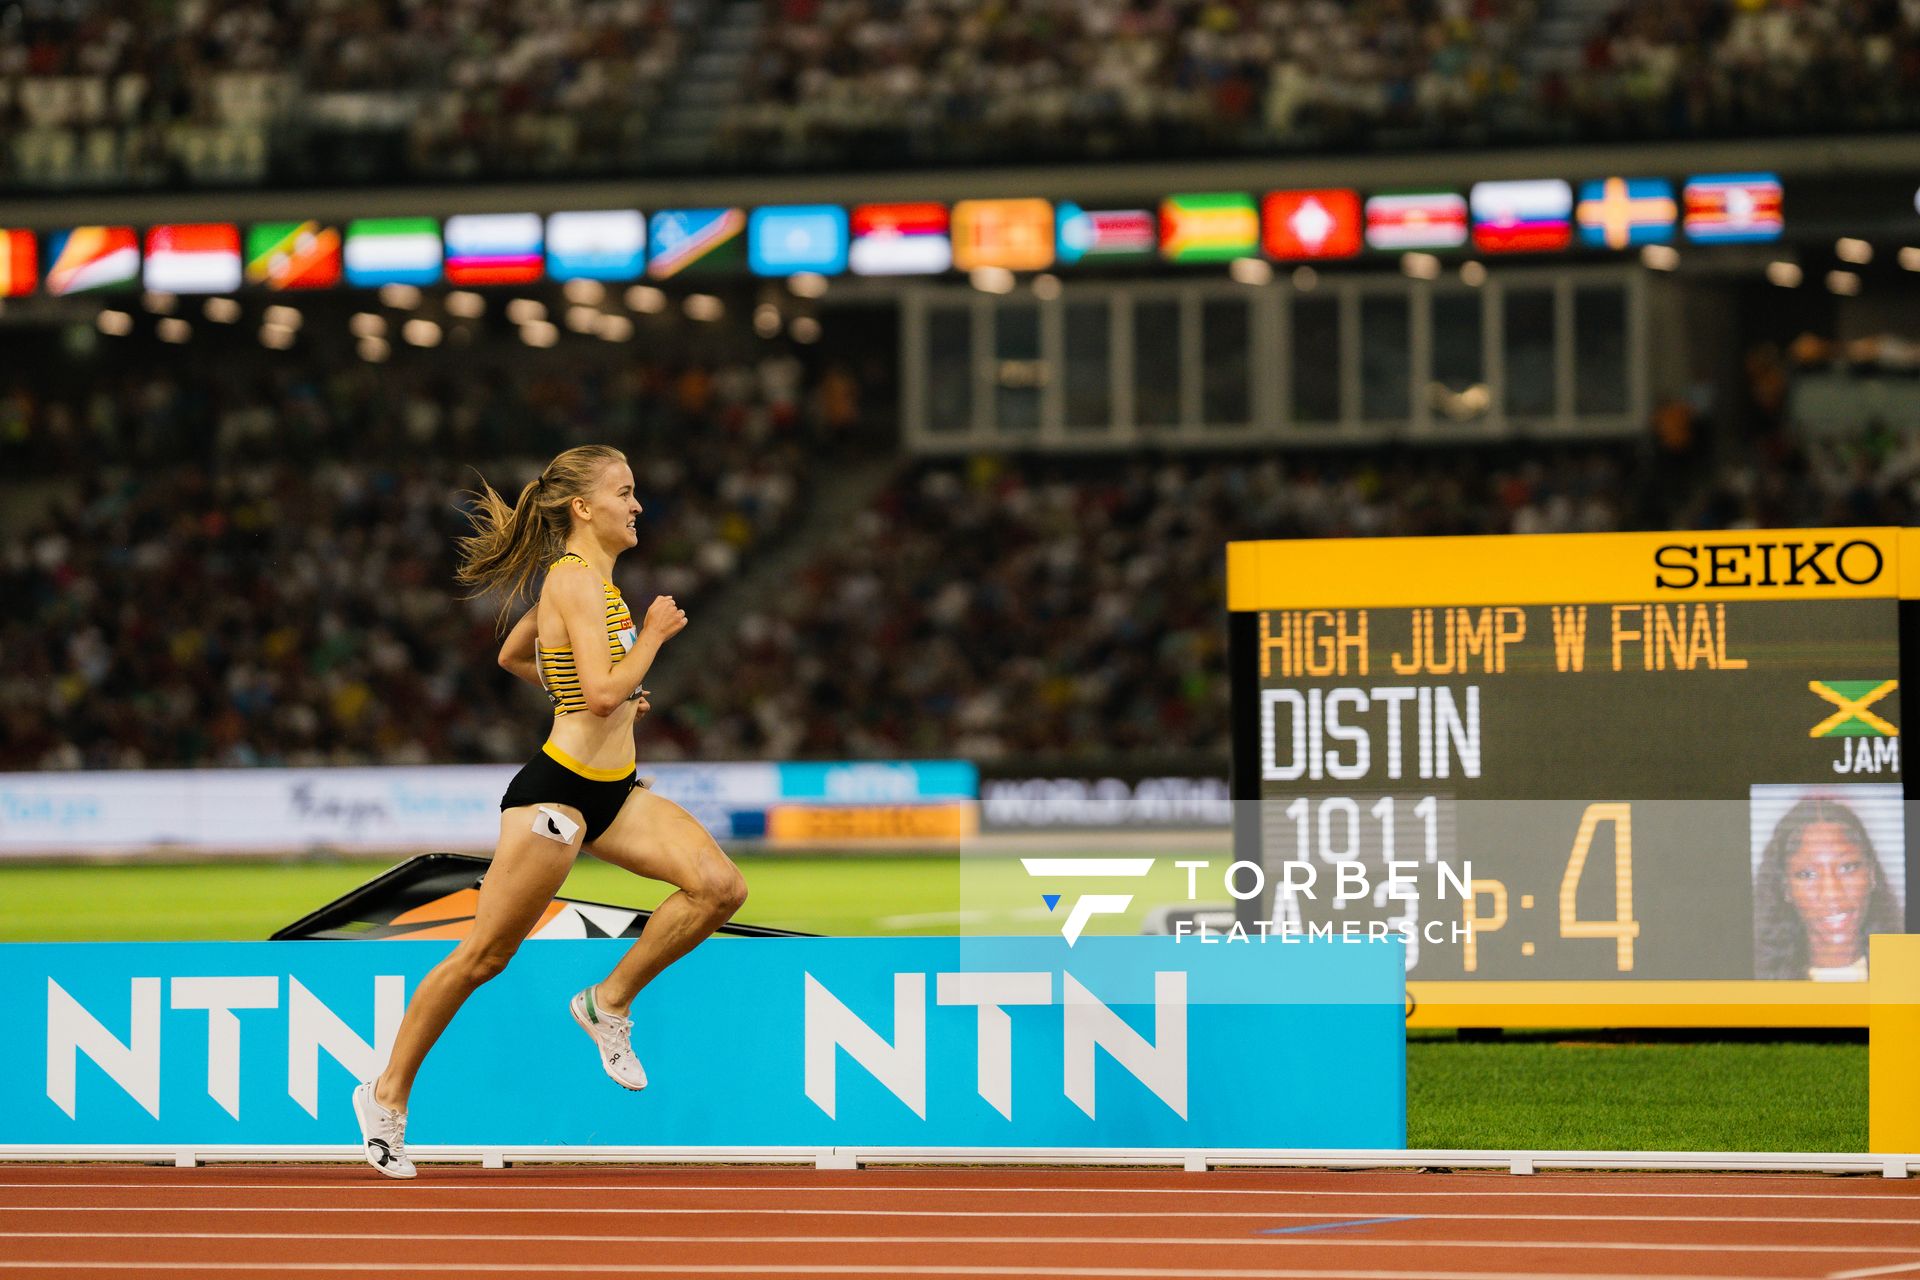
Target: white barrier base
1194 1161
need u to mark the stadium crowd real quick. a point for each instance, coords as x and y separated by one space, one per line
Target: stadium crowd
466 86
262 574
1001 609
275 610
262 91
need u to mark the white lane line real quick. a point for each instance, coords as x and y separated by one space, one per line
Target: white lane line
114 1266
742 1211
1626 1246
508 1182
1864 1272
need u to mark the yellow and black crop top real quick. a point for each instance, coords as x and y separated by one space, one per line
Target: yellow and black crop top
558 673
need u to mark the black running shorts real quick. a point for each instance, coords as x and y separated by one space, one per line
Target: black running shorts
544 780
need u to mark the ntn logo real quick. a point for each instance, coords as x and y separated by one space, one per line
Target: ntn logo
134 1064
900 1065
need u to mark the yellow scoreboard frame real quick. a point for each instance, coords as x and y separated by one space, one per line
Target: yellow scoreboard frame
1289 603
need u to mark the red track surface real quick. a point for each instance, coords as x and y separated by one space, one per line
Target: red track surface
278 1220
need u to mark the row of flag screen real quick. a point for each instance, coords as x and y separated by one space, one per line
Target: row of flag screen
1536 216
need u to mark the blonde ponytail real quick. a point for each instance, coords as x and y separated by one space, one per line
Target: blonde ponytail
510 544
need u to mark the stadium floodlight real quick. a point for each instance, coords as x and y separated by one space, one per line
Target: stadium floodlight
1420 266
1251 271
421 333
991 279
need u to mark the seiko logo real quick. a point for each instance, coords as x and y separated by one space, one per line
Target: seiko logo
1681 566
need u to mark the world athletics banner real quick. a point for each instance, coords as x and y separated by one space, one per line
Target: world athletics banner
921 1042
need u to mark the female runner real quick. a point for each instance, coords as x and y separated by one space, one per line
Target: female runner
579 644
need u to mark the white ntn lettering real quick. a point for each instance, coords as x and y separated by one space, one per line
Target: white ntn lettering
309 1029
1348 734
1087 1024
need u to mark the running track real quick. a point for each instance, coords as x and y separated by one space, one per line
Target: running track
260 1221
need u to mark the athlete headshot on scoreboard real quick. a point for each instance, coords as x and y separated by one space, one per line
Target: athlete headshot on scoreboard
1827 873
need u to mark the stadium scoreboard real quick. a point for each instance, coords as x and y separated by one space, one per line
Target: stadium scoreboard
1666 759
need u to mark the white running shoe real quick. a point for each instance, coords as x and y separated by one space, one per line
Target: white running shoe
384 1132
613 1035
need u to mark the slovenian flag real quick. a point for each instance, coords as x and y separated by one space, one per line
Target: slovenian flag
88 258
293 255
19 263
1417 220
900 240
392 251
1619 213
1533 216
494 248
1732 208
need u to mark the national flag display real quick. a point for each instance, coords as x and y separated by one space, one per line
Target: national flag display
392 251
1855 717
19 263
1015 234
1532 216
685 237
1105 235
604 244
88 258
785 239
293 255
201 257
1618 213
900 240
1734 208
494 248
1312 224
1214 227
1417 220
